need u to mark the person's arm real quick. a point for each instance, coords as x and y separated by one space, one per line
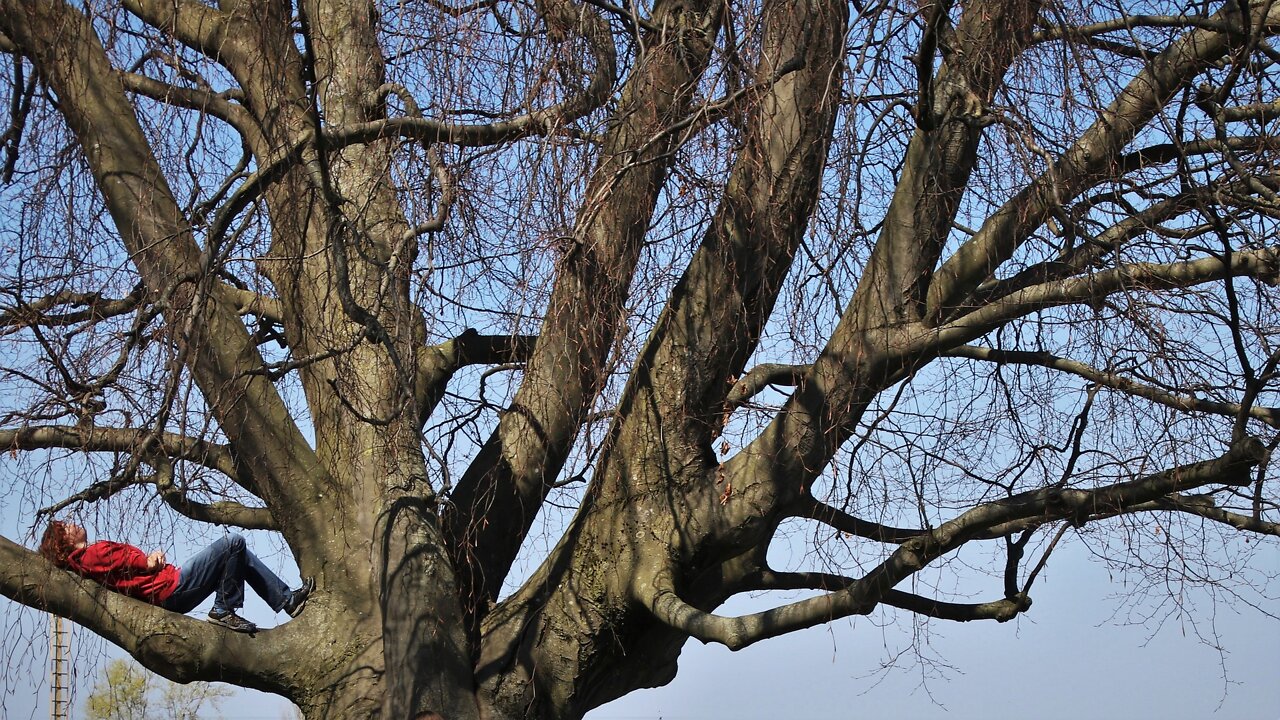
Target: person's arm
118 559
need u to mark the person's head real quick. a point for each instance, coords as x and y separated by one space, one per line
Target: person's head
60 540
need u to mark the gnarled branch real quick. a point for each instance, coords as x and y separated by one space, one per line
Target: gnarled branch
761 376
1263 264
96 307
656 589
108 439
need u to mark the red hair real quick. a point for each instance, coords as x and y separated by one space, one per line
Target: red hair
56 545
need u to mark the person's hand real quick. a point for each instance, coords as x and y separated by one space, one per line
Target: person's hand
155 560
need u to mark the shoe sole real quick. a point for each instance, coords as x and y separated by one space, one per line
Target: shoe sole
233 627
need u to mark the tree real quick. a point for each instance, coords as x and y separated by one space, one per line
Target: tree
530 325
127 692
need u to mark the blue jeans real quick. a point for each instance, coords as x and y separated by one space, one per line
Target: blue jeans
221 570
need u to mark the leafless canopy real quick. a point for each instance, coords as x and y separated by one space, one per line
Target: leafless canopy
529 325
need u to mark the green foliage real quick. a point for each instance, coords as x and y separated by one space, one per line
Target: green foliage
128 692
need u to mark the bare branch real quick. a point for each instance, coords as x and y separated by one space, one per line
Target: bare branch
216 345
813 509
1257 112
223 512
1203 506
122 440
656 589
248 302
760 377
448 194
498 497
95 307
438 363
631 18
1115 381
198 26
1002 610
1262 264
100 490
1131 22
1087 161
218 105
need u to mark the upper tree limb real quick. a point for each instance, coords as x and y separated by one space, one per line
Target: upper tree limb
1089 160
659 591
217 348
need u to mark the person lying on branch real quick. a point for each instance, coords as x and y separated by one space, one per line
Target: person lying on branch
220 570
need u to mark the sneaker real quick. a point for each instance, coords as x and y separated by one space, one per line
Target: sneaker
231 621
297 599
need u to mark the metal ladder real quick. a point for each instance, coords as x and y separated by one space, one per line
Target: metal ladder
59 677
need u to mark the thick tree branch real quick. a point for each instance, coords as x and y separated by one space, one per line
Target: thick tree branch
96 307
657 589
194 24
1001 610
1115 381
952 112
760 377
811 508
218 513
175 646
1262 264
562 21
247 302
675 403
1089 255
538 123
498 497
438 363
201 100
1089 160
1085 255
1130 22
1257 112
122 440
1202 506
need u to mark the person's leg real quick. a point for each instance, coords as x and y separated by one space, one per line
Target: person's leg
265 583
205 574
230 596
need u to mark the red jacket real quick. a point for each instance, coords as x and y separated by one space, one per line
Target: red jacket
123 568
